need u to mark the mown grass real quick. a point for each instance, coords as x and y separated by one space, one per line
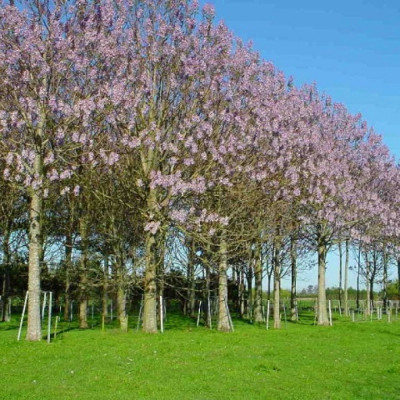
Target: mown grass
347 361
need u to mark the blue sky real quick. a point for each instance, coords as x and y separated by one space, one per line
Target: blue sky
350 49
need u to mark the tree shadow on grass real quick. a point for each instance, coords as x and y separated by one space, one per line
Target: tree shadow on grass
179 322
8 326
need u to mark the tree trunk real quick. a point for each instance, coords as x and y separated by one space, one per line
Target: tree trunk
346 279
372 277
385 276
67 266
293 264
322 311
277 282
269 279
242 291
207 295
249 300
121 307
34 332
5 317
358 277
258 314
121 287
160 271
104 295
223 310
150 289
368 300
371 290
192 293
83 284
340 270
398 276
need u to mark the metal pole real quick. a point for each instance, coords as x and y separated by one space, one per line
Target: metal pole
140 314
22 316
284 313
229 314
161 315
49 316
44 304
198 314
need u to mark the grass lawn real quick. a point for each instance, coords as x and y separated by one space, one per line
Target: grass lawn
347 361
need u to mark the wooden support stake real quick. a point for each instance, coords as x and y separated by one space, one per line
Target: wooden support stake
330 313
267 322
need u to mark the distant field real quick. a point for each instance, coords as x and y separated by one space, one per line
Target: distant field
347 361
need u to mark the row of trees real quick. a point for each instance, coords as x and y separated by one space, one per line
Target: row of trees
139 134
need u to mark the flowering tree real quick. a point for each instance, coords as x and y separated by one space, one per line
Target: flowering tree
46 59
151 112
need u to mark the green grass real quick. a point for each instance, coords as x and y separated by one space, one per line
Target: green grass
347 361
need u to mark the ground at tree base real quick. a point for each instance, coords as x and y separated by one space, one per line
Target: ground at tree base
347 361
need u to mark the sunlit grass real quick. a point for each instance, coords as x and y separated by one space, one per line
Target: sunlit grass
347 361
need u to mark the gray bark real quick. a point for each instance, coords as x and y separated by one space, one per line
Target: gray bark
223 311
322 313
340 269
241 293
346 278
191 292
385 276
293 264
398 276
277 281
104 294
258 315
121 308
150 289
67 266
368 277
249 300
83 284
5 317
207 295
358 277
34 332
